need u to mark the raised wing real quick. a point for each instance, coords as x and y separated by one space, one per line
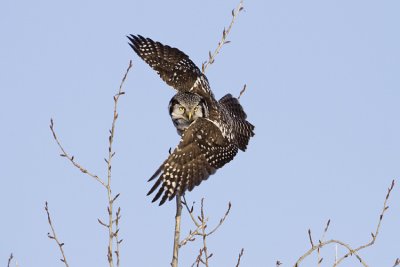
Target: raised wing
173 66
242 129
200 153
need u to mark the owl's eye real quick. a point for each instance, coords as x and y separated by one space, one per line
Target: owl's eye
196 108
181 109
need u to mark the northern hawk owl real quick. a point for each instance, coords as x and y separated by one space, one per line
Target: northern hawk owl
211 131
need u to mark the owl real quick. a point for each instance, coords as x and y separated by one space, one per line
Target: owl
212 132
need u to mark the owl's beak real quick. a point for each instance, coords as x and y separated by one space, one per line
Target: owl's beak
190 115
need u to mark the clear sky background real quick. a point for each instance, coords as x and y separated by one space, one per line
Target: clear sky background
323 92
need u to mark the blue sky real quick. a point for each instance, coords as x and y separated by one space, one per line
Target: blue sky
322 90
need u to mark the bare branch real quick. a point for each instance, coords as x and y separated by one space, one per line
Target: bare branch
201 226
112 235
111 198
332 241
239 258
192 234
106 225
222 220
198 259
10 259
175 253
225 33
309 236
118 241
242 91
374 236
52 236
351 251
71 158
204 234
190 211
319 259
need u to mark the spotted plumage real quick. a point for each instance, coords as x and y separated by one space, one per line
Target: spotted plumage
211 131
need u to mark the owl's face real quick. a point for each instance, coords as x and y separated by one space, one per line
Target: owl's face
185 108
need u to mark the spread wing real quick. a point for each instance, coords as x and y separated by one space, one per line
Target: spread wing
173 66
201 151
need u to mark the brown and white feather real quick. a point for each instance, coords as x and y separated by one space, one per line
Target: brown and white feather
209 142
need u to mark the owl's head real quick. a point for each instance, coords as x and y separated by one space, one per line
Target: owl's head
185 108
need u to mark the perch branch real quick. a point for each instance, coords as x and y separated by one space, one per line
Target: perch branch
201 226
177 232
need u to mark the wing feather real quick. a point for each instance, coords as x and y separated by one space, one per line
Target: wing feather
174 66
243 129
199 154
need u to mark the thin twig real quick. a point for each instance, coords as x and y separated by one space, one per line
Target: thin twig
71 158
175 253
192 234
225 33
242 91
198 259
53 236
190 211
319 259
332 241
10 259
111 198
201 225
336 253
117 240
350 250
240 257
204 234
222 220
309 236
374 236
